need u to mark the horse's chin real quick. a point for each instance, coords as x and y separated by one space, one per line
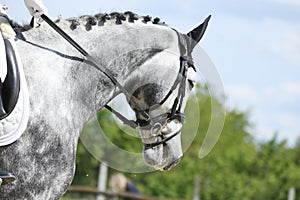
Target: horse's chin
165 156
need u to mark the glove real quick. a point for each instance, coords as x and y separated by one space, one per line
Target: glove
36 8
38 14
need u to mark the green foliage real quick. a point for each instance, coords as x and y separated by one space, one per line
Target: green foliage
86 167
237 168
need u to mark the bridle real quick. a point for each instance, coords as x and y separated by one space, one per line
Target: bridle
161 120
148 123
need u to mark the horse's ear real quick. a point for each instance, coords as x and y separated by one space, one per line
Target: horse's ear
199 31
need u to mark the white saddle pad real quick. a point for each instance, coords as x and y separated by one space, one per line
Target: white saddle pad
14 125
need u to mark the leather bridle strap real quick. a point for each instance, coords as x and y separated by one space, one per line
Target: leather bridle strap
181 89
185 63
90 60
163 141
130 123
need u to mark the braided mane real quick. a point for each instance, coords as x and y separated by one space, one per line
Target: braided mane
92 20
101 18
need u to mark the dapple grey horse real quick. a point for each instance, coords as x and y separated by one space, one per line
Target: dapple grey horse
66 91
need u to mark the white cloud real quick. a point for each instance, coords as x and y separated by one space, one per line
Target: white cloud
287 45
274 109
287 119
270 121
264 133
287 125
280 110
289 2
242 96
283 94
292 89
254 51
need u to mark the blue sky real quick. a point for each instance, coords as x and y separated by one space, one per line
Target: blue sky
255 46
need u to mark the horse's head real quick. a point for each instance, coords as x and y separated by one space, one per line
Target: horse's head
159 108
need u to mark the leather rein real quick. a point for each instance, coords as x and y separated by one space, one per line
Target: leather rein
148 122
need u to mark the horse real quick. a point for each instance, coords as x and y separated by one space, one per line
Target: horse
150 61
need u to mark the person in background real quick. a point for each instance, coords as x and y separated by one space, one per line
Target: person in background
119 183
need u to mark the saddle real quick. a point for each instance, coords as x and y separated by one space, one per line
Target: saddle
14 97
10 87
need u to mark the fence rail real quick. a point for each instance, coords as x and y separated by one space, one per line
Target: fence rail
94 191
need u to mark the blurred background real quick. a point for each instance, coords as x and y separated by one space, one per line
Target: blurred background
255 46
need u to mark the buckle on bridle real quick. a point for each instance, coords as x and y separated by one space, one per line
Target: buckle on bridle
159 128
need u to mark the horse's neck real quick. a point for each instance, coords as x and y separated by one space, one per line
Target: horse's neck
74 88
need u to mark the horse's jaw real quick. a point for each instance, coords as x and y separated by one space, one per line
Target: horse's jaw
164 156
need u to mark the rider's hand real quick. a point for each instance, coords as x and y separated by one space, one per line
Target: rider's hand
38 14
36 8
